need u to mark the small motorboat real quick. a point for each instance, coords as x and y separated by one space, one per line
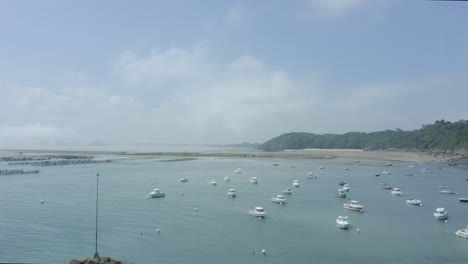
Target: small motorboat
311 176
396 192
389 164
296 184
321 167
423 170
156 193
341 194
341 183
227 179
238 171
445 190
257 212
386 172
387 186
462 232
409 174
440 214
254 180
232 193
377 174
411 166
346 187
287 191
354 205
346 169
414 202
213 182
463 200
275 164
342 222
279 199
183 180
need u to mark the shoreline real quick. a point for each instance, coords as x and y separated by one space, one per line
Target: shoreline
344 156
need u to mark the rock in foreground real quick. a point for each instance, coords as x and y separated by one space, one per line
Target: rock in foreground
102 260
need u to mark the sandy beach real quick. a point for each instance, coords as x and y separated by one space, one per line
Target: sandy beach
343 156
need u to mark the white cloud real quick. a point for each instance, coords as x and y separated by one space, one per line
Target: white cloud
185 96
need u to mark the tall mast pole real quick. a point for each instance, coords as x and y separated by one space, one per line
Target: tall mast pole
96 254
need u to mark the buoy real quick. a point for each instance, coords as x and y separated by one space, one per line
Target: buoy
42 201
263 251
362 211
195 209
446 221
358 230
157 230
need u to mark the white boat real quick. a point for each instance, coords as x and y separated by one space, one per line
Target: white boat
353 205
346 187
278 199
227 179
254 180
311 176
257 212
183 180
445 190
411 166
462 232
321 167
386 172
396 192
440 214
288 191
296 183
414 202
213 182
342 222
386 186
341 194
232 193
423 170
156 193
238 171
311 173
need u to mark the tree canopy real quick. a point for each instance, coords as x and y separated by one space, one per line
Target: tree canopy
442 135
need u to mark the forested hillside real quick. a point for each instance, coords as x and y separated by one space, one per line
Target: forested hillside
441 135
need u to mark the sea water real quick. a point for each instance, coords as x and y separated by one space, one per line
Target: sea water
221 231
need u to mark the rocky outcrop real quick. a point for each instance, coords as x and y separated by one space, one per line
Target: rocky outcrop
101 260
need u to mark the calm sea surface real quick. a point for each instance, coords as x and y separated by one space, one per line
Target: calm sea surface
221 231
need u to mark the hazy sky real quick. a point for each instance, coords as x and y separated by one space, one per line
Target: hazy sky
77 72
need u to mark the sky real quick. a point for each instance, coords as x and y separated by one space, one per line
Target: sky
219 72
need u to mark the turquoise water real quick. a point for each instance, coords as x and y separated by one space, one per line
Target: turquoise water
221 231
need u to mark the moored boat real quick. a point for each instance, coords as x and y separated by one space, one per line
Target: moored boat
414 202
396 192
254 180
156 193
341 194
440 214
232 193
353 205
287 191
462 232
279 199
257 212
342 222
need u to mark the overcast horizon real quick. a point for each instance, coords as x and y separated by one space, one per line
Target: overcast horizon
224 72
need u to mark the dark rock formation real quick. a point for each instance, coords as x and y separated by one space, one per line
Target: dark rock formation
102 260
